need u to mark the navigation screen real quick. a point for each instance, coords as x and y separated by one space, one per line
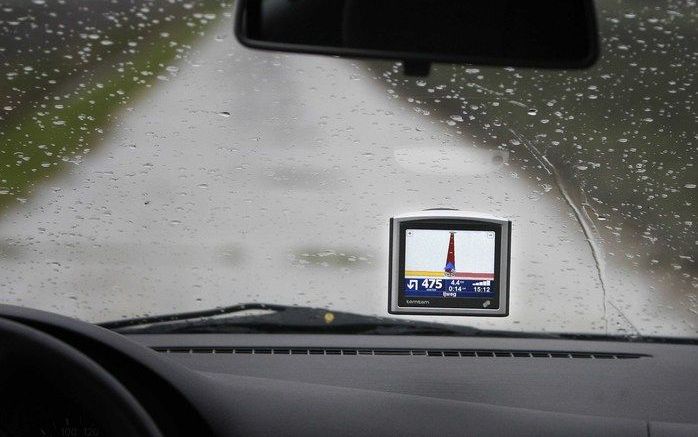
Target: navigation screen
449 263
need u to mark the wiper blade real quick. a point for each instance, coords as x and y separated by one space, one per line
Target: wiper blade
281 319
191 315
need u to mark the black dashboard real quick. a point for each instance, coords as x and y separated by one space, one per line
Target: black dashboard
258 384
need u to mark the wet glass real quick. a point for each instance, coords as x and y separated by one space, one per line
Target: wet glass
149 164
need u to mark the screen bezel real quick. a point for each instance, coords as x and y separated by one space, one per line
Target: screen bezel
470 306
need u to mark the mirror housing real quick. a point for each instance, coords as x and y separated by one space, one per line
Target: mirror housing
538 33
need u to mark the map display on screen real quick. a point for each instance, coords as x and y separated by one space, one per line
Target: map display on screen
449 263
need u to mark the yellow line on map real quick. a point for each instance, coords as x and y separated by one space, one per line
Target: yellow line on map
424 273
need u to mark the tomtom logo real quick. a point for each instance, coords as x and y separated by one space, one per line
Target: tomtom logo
418 302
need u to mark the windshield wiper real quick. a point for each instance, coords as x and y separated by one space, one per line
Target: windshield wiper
282 319
192 315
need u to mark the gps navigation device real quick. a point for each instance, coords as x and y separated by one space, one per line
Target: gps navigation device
449 262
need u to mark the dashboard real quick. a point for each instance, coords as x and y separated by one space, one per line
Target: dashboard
258 384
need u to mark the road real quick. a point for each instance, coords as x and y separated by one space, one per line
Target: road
263 177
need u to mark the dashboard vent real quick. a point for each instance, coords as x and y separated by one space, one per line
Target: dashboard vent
476 353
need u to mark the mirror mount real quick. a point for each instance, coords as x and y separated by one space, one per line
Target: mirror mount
416 68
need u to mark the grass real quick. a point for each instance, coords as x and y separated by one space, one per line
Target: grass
50 129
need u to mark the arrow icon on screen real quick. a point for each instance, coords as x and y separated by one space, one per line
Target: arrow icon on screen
412 284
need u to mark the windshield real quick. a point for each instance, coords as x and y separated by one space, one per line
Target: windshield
149 164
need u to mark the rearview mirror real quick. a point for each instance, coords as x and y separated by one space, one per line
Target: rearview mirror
537 33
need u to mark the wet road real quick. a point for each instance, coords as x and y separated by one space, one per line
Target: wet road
262 177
